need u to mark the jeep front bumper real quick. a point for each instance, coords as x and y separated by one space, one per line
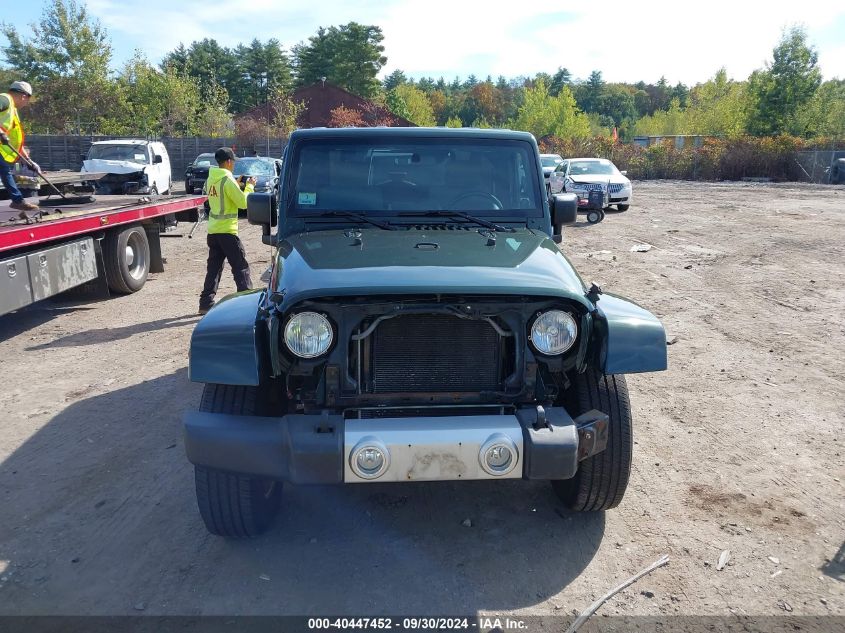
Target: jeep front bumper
322 449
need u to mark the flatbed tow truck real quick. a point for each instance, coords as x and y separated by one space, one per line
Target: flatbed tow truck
110 243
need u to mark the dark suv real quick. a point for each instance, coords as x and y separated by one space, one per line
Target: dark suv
197 172
420 323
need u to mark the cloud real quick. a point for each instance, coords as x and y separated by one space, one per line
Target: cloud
626 41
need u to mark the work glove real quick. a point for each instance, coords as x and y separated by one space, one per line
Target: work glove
34 166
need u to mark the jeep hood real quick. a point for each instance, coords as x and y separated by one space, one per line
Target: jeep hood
112 166
440 261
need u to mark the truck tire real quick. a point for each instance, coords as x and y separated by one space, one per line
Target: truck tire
623 207
601 480
126 257
234 505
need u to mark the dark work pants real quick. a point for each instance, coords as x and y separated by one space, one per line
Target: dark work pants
224 247
9 182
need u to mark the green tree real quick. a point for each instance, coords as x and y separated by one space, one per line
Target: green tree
158 102
263 70
560 79
824 116
349 56
617 103
397 105
396 78
663 122
786 87
454 122
544 115
67 42
719 106
417 103
76 106
588 93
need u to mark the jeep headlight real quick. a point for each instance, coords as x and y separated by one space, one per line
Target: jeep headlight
308 334
553 332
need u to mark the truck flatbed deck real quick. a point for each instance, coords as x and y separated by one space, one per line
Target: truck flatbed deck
111 241
54 221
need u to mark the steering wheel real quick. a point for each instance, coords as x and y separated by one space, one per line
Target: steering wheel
489 197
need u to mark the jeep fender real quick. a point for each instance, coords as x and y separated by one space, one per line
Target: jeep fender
229 343
630 338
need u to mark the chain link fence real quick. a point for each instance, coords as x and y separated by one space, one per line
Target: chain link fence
818 166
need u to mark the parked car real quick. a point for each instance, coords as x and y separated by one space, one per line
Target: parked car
419 323
549 163
197 172
582 175
131 166
264 169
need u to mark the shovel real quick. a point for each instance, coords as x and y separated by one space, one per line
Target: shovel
31 165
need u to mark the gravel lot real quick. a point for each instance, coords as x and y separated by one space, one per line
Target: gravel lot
739 447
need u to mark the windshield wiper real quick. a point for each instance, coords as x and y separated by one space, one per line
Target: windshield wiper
357 216
465 216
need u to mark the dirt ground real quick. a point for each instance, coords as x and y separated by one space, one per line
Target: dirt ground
739 447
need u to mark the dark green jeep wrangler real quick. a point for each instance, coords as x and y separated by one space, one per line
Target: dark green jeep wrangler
420 324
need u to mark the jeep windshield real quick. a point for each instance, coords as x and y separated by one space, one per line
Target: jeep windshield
397 177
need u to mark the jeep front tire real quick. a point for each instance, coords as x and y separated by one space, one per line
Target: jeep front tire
601 480
234 505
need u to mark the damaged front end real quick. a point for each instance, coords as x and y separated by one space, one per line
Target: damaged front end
120 184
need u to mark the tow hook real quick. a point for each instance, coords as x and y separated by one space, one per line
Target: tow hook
592 433
541 422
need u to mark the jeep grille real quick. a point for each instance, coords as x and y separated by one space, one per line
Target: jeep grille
435 353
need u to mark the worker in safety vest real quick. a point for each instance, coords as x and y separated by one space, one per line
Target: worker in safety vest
225 197
11 141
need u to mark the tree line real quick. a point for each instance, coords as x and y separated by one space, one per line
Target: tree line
197 89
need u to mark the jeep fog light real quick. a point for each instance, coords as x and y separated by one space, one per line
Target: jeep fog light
369 459
553 332
308 334
498 455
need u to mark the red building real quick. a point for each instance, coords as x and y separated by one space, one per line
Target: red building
322 99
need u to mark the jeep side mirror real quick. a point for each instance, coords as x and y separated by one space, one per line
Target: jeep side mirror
157 159
624 172
261 209
564 209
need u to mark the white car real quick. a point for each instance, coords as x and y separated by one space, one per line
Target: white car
580 175
549 163
131 166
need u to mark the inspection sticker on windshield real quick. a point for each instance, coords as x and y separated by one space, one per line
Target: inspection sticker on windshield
307 198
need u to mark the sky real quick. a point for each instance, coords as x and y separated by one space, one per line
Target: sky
627 41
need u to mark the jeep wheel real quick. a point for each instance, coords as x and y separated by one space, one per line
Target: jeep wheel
233 505
601 479
623 207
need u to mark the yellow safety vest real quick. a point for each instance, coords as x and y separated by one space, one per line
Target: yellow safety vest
224 199
11 125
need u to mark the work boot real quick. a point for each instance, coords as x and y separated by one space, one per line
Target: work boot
204 309
23 206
